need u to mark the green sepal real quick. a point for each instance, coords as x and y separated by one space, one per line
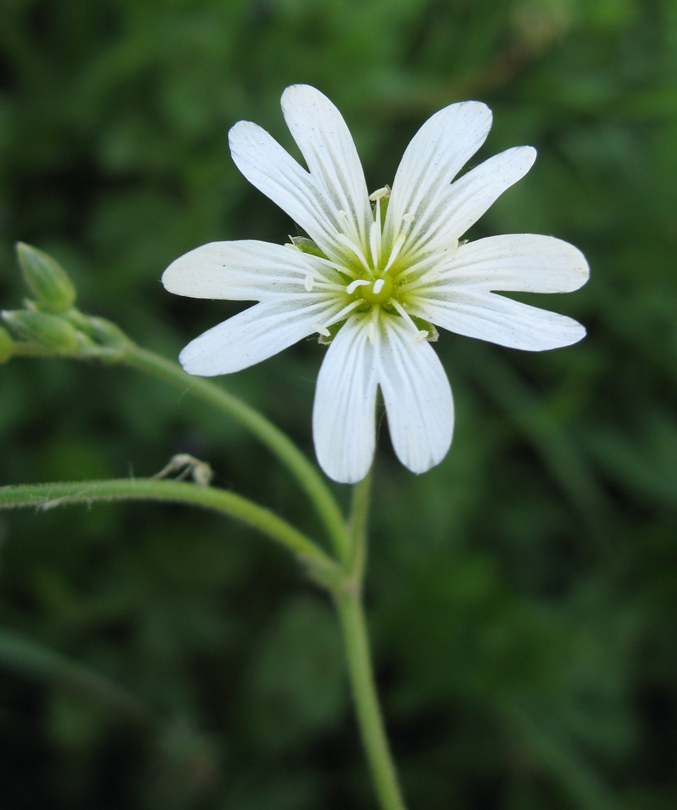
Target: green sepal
46 279
431 329
306 245
104 332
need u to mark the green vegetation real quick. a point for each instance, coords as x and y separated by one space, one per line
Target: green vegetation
522 596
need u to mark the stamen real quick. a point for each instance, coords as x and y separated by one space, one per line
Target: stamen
380 193
341 268
344 240
348 225
327 286
421 336
406 316
424 265
429 277
397 247
379 284
375 238
314 277
360 282
341 315
408 222
321 329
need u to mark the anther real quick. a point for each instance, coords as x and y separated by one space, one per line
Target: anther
308 282
397 247
380 193
421 335
321 329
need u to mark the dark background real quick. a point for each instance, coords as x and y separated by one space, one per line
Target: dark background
522 596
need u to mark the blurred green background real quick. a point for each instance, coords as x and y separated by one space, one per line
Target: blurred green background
522 596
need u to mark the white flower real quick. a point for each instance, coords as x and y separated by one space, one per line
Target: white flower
375 275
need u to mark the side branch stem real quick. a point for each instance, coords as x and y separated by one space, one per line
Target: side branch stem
357 527
280 444
47 496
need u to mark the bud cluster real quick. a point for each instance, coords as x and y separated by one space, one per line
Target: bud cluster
50 324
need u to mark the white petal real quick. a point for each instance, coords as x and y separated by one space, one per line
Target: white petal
516 262
417 397
492 317
431 161
255 334
329 150
242 271
470 196
274 172
344 413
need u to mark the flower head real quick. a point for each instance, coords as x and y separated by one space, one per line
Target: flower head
376 276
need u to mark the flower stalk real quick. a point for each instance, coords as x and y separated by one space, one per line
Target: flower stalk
350 609
358 656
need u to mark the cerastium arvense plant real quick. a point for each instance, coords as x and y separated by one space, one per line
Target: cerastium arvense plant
372 278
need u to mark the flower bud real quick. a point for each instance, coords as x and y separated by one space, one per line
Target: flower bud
47 331
46 279
6 345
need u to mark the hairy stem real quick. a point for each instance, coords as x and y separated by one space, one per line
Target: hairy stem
356 642
47 496
349 604
357 526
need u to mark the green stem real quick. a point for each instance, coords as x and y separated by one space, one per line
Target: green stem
276 441
356 641
357 526
47 496
29 658
350 609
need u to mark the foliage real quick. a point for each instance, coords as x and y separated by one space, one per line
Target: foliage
522 594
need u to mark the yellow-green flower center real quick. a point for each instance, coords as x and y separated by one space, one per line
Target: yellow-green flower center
376 291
